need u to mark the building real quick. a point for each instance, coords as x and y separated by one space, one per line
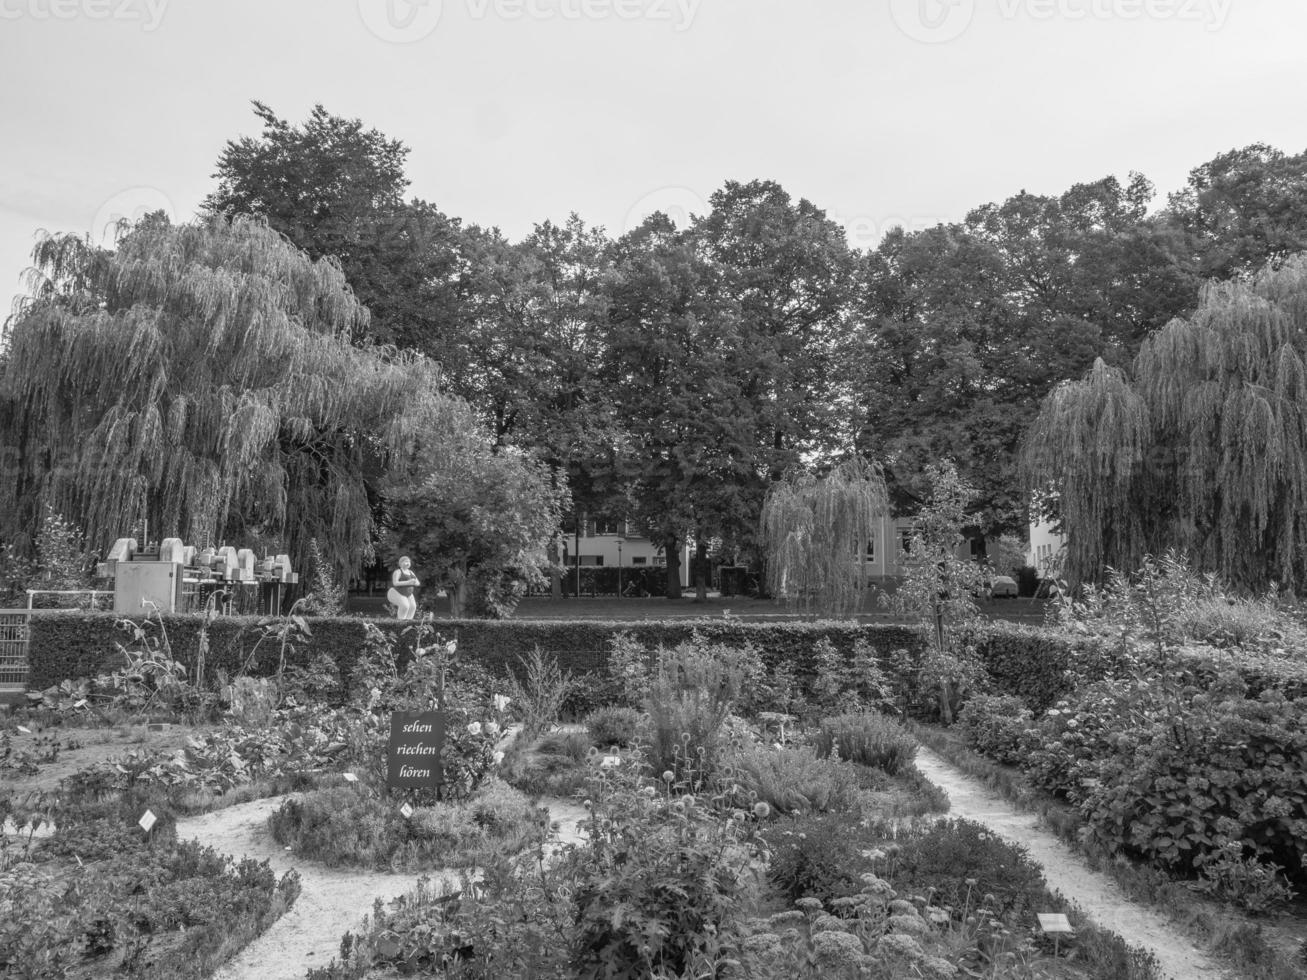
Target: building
618 544
1046 547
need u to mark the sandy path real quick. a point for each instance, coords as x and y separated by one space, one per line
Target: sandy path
332 901
1097 896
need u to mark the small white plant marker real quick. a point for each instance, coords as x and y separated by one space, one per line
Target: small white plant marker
148 820
351 778
407 810
24 731
80 704
1054 924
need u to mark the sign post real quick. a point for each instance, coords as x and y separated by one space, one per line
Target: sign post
413 751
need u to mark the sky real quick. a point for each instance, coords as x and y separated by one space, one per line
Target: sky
882 112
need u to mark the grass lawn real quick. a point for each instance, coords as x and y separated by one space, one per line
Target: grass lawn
1027 611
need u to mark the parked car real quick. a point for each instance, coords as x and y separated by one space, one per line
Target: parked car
1003 587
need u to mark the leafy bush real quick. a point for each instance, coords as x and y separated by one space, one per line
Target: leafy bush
868 739
1073 737
996 725
349 825
816 855
614 726
793 780
949 859
679 873
169 909
1213 770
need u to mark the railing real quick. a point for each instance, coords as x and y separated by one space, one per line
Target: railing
93 593
14 634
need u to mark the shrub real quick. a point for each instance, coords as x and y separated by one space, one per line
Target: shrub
793 780
614 726
690 697
997 726
1213 770
574 746
540 692
868 739
678 873
348 825
816 855
952 858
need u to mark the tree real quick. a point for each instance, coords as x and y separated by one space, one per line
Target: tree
1241 210
685 460
963 329
939 588
478 520
814 530
1203 449
336 189
199 380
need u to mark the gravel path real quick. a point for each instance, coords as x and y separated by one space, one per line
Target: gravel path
1095 894
332 901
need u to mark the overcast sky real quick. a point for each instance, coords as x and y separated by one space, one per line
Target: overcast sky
880 111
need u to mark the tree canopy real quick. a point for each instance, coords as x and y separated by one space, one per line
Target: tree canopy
1201 448
200 378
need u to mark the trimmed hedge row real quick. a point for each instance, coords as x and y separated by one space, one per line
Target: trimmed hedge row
67 645
1030 662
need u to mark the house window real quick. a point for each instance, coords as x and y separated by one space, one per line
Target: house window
905 540
641 560
869 554
607 527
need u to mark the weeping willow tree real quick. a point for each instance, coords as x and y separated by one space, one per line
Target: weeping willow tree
814 530
198 380
1203 449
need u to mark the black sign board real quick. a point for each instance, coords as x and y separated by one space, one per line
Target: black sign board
413 752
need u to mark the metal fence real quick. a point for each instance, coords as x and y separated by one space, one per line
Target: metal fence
14 634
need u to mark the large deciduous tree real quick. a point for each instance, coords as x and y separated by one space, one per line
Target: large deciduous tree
199 379
337 189
479 519
1203 448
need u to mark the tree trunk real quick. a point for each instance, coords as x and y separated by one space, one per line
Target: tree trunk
701 570
457 592
670 543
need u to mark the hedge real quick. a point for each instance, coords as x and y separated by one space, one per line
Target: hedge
1030 662
71 644
1033 663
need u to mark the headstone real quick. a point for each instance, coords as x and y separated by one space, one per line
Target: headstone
413 751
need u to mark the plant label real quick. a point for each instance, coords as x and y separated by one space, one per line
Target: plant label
413 751
24 731
407 810
351 778
1051 922
80 704
148 820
